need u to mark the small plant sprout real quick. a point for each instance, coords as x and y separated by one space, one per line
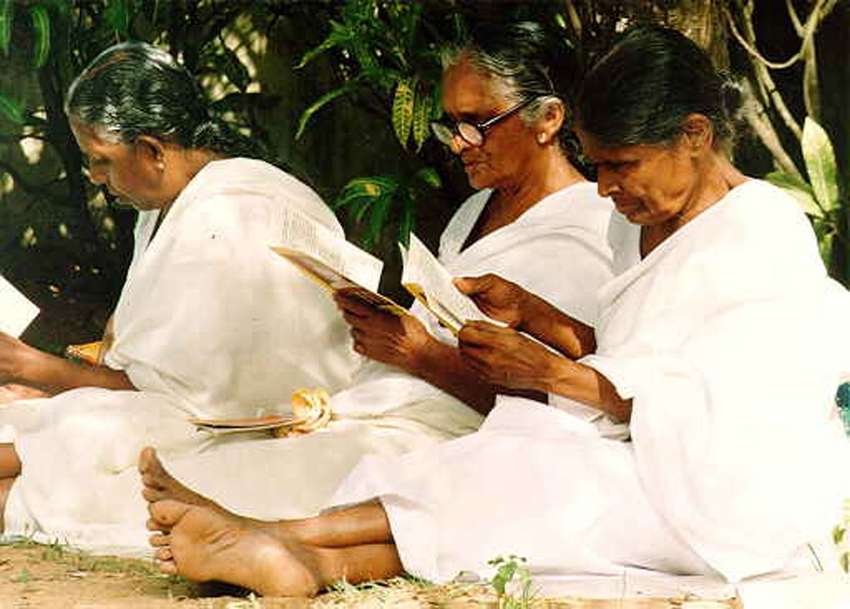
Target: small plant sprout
508 568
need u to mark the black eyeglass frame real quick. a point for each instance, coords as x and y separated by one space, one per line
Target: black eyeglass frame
481 128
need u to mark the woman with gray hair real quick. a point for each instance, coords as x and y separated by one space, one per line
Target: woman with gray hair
210 323
507 122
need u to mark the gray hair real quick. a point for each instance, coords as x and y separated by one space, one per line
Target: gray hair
134 88
524 65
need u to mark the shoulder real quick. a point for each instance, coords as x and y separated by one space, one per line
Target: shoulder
242 187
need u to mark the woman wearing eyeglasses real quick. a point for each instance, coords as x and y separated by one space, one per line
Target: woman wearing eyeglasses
533 212
715 341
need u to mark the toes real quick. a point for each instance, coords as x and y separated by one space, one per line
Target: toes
151 495
146 458
168 512
153 525
164 555
168 567
159 540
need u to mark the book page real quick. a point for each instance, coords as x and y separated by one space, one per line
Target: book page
16 312
303 234
426 278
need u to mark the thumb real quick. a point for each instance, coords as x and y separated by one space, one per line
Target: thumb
471 285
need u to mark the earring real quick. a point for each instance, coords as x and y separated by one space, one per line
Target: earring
161 166
541 138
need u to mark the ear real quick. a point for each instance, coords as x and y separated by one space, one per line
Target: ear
697 133
552 119
151 149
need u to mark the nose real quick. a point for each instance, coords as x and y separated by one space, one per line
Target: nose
606 183
97 176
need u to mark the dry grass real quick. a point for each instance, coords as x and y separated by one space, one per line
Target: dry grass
56 576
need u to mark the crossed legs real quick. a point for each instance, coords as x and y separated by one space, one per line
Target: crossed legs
202 541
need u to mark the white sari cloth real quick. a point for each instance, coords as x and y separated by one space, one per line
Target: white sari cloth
210 323
387 411
720 336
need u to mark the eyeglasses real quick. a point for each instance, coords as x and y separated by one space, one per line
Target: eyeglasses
473 133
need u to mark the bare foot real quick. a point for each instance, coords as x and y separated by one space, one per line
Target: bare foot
160 485
205 545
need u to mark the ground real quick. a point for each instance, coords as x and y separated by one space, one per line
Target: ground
53 577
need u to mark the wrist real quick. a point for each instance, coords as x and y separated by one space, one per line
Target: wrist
557 375
26 362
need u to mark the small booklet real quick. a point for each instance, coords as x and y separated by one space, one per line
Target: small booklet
335 264
16 311
331 261
228 426
431 284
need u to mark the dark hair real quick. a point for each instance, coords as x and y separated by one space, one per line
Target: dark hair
531 64
134 89
642 89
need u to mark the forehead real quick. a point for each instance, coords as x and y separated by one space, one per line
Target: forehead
599 153
468 91
91 139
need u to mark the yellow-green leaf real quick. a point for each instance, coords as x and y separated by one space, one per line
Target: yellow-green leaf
798 189
421 119
403 110
41 27
820 164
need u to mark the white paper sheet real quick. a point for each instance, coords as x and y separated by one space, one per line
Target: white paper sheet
16 312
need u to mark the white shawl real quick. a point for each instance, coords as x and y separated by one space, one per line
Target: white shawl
721 337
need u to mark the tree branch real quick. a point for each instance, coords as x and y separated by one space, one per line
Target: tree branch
25 185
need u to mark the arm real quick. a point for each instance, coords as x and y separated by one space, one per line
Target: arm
502 356
404 342
20 363
508 302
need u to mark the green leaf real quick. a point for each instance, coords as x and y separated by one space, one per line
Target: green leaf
838 534
41 28
407 223
845 562
339 34
377 220
798 189
403 110
825 232
437 103
7 14
11 109
429 176
117 15
421 119
820 164
319 104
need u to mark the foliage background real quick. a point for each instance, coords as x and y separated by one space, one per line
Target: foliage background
342 91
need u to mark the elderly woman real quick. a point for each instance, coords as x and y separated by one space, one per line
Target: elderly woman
210 322
507 125
710 342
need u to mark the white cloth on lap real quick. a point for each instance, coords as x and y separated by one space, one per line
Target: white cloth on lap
721 339
210 323
387 411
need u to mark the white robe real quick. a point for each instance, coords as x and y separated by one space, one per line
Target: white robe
210 323
722 338
387 411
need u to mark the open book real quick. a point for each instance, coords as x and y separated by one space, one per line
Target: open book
335 264
331 261
16 311
431 284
